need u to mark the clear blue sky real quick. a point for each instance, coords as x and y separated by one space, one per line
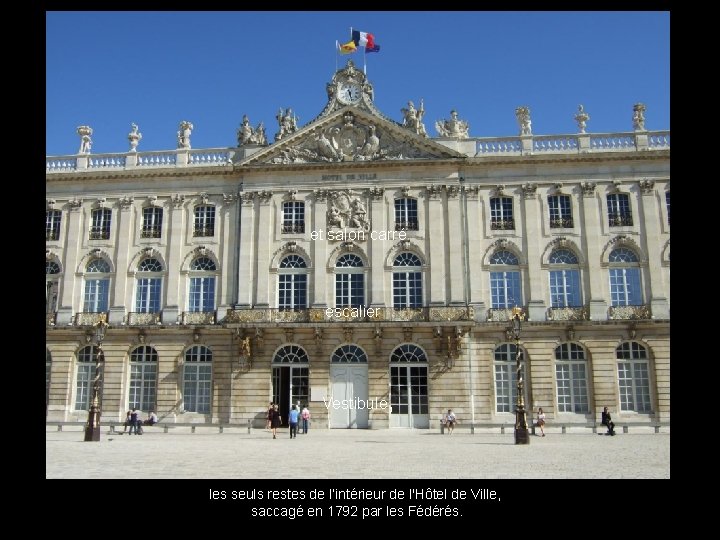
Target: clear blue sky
108 69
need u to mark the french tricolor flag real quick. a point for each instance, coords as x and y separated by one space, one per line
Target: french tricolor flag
365 39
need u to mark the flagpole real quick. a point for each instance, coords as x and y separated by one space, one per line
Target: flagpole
365 60
337 49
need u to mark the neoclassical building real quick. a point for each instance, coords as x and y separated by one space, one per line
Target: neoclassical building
365 268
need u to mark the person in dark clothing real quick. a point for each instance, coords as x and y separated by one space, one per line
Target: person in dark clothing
607 421
275 421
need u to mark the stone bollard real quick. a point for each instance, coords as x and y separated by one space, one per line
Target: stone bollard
249 425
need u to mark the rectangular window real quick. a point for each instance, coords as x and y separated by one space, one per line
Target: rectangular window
560 211
571 387
143 384
619 212
505 289
204 221
406 214
197 387
349 290
100 228
501 213
634 386
293 217
565 288
85 375
625 287
97 292
202 294
407 290
52 224
506 387
292 292
152 222
147 299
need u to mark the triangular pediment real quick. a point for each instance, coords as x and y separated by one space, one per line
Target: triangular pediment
350 134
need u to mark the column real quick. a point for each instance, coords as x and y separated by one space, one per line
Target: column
653 244
435 234
376 249
246 253
592 236
71 256
532 224
455 244
264 241
475 223
227 251
125 233
319 250
176 231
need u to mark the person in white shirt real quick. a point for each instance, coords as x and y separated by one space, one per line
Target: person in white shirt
450 420
541 421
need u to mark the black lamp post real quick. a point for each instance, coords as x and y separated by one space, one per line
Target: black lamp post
522 436
92 428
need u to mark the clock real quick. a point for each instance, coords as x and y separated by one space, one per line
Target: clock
349 93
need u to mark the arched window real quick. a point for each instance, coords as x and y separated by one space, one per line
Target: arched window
501 213
406 214
143 378
292 283
197 379
202 285
624 278
97 286
51 267
409 387
86 359
291 354
633 377
149 286
349 281
571 375
564 279
349 354
407 281
506 377
505 289
204 224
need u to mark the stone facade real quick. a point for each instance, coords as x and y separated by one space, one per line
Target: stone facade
326 194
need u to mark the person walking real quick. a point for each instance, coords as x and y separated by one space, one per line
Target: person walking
269 416
305 415
275 421
541 421
293 421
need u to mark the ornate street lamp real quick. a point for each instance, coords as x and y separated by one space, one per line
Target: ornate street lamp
92 428
522 436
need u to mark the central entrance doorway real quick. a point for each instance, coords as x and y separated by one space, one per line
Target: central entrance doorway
290 378
349 385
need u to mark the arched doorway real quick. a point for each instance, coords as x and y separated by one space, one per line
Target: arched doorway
290 377
409 387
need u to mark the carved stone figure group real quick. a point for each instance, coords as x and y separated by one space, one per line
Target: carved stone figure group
247 135
412 118
184 133
453 127
287 122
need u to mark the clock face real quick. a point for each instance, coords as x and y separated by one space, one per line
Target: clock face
349 93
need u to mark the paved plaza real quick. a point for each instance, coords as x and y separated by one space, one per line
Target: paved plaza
326 453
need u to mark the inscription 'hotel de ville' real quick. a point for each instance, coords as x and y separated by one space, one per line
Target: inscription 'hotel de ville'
355 257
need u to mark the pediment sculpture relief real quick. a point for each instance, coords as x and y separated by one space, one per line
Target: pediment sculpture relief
346 210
